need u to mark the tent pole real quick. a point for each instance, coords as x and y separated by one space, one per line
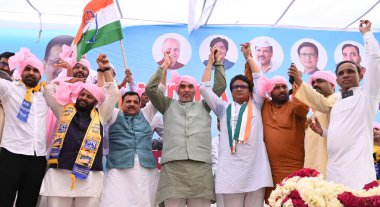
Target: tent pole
362 15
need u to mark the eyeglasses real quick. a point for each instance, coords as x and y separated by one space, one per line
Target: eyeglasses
235 87
308 55
4 64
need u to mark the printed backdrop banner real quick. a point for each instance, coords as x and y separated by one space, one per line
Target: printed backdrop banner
273 48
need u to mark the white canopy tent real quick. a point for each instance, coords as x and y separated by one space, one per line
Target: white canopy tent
321 14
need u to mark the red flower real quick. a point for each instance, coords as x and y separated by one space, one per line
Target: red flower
304 172
370 185
296 199
347 199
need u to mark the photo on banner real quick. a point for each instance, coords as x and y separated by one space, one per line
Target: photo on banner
178 46
228 50
309 56
267 52
353 51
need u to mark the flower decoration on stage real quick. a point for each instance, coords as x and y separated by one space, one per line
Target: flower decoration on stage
307 188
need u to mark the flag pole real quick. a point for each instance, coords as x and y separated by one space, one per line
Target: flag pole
122 52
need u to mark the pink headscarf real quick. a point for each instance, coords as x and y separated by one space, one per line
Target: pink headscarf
176 79
70 56
325 75
376 125
140 91
67 92
267 86
23 58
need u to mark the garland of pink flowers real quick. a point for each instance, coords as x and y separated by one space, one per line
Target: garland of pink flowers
307 188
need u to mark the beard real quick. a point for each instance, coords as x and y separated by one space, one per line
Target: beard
84 107
280 100
31 82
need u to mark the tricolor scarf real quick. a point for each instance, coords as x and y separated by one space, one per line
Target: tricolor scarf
23 114
243 125
88 149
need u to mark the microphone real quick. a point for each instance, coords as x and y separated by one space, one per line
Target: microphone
291 81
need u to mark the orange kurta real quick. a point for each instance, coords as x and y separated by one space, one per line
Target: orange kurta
284 133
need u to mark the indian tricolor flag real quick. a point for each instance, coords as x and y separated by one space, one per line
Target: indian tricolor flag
100 26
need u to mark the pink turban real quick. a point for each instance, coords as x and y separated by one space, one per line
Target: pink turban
67 92
325 75
176 79
140 91
69 56
376 125
23 58
267 86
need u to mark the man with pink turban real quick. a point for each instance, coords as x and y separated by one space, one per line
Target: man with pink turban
284 128
324 83
74 71
349 133
76 153
186 172
23 146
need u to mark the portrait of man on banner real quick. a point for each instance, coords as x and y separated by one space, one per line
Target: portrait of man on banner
352 51
227 47
177 45
267 52
309 56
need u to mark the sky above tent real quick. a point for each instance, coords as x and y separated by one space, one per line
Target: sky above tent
321 14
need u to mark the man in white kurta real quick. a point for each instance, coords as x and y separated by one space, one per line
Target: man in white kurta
243 175
349 136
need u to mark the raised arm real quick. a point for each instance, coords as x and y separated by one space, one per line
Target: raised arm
372 83
156 96
219 75
246 50
212 101
104 70
255 71
308 95
111 93
111 98
49 94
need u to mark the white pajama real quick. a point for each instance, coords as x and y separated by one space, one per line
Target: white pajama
135 187
250 199
54 201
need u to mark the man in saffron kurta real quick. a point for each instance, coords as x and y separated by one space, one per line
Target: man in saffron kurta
284 129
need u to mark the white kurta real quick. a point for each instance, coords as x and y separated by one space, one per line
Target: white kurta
248 169
350 137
